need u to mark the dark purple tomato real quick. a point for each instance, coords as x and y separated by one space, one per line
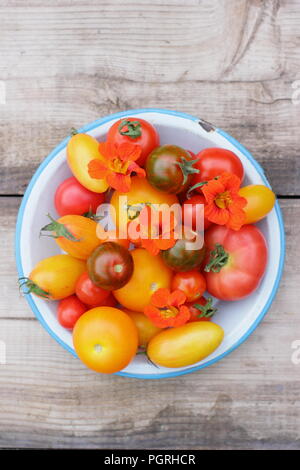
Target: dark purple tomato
181 258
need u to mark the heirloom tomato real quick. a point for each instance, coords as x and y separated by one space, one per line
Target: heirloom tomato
75 234
149 274
81 150
186 254
105 339
127 206
260 201
185 345
69 310
236 261
73 198
169 168
110 266
54 278
136 131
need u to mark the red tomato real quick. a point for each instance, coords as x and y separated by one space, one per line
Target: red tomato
137 131
236 261
89 293
214 161
110 301
201 309
69 310
73 198
192 283
190 208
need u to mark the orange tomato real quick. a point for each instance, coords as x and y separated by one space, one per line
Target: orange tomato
185 345
55 278
81 149
111 236
146 329
75 234
149 274
126 206
105 339
260 201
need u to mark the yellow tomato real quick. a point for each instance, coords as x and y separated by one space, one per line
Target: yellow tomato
149 274
81 149
185 345
146 328
55 277
260 201
105 339
140 192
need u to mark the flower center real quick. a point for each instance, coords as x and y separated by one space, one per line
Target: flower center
118 166
169 311
223 200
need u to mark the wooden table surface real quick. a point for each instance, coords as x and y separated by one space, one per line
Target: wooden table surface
235 63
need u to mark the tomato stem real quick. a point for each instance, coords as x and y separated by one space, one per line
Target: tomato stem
218 258
187 168
60 230
130 128
207 310
32 287
73 131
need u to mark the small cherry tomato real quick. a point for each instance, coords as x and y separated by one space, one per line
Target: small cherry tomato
73 198
81 150
89 293
192 283
190 209
137 131
260 201
201 309
169 169
105 339
75 234
185 255
214 161
184 345
110 266
146 329
110 301
69 310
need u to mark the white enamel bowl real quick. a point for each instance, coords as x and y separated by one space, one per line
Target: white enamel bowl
238 319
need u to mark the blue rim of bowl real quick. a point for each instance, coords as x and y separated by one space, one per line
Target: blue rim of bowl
92 126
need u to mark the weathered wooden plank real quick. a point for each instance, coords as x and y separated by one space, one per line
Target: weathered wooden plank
40 112
248 400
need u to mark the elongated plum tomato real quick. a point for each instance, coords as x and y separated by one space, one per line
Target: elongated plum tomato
105 339
126 206
260 201
149 274
192 283
136 131
54 278
185 345
89 293
214 161
236 261
169 168
186 254
192 210
110 266
73 198
75 234
81 149
146 329
69 310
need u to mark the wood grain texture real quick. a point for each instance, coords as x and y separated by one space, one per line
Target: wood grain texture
248 400
230 62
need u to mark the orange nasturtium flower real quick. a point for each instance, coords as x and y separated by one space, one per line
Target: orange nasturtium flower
167 309
223 205
151 231
117 165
